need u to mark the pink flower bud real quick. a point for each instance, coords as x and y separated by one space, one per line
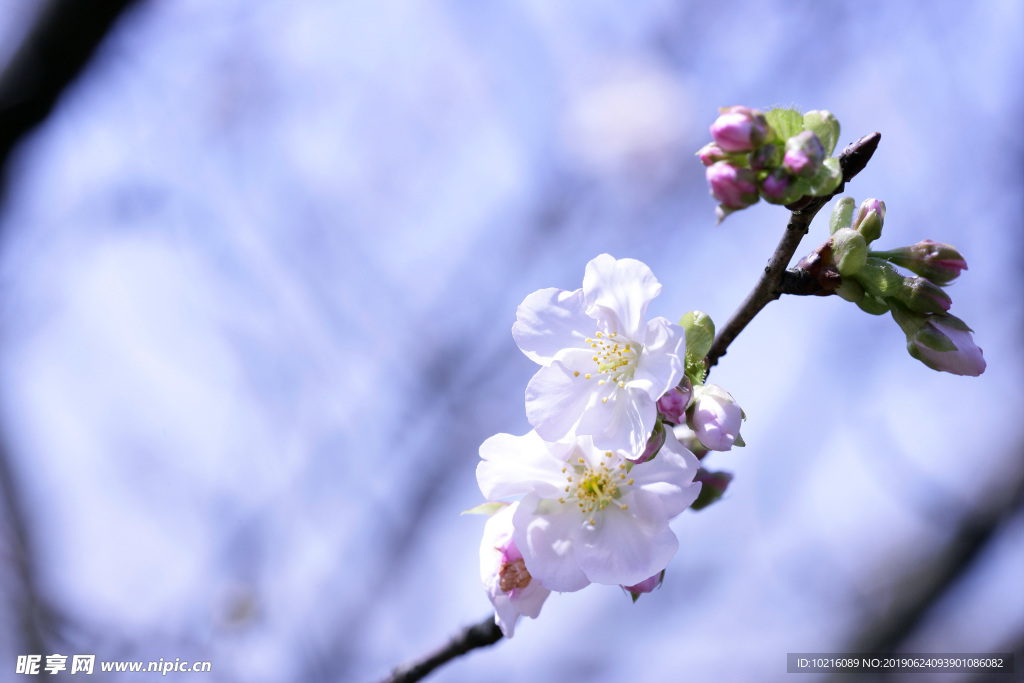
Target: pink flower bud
869 219
711 153
673 404
740 129
775 185
966 359
804 154
735 188
940 263
923 296
716 418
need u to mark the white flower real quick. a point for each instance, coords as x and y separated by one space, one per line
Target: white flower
508 583
605 365
716 417
586 515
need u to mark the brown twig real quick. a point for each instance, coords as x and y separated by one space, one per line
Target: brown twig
769 286
478 635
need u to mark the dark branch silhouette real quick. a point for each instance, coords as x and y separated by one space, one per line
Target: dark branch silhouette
54 51
478 635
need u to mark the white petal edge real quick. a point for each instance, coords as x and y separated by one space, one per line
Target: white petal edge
620 290
550 320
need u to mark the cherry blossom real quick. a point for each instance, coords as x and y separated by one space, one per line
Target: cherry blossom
509 586
604 365
587 515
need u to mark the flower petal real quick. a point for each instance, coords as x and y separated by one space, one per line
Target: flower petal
619 292
515 465
660 366
550 320
619 549
664 487
543 532
555 399
497 547
624 423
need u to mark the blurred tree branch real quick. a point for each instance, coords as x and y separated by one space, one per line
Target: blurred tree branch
53 52
55 49
919 591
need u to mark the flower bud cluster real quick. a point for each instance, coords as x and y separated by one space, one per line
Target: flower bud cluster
917 302
587 495
780 156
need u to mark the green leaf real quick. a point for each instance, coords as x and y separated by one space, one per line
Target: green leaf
785 123
700 333
827 179
695 369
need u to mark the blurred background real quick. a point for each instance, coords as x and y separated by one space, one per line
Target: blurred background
258 270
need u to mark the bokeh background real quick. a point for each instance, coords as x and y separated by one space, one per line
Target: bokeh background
258 271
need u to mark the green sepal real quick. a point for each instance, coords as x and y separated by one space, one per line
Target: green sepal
708 493
484 509
700 333
739 440
935 340
825 126
785 123
870 303
908 321
955 322
851 290
880 278
827 179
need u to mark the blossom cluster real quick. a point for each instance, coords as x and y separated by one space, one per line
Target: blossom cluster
918 302
587 495
780 155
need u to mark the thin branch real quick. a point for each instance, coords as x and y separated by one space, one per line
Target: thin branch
478 635
769 286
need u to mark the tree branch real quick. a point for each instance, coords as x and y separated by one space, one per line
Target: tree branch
769 286
478 635
62 39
